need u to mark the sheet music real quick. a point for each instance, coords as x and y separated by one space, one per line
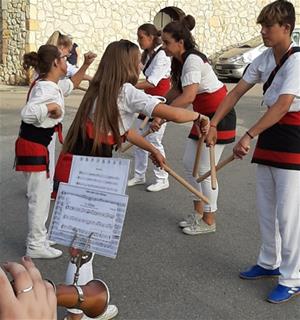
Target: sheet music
105 174
87 211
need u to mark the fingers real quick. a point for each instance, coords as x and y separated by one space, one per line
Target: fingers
89 57
22 280
240 150
35 275
158 160
6 293
51 297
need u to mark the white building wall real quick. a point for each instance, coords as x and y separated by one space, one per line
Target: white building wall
95 23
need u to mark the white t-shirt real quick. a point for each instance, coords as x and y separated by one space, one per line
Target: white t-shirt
131 101
286 81
71 70
195 70
159 68
44 92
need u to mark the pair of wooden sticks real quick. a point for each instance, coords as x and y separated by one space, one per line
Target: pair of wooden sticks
213 167
177 177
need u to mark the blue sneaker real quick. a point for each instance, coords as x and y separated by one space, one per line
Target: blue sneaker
257 272
282 294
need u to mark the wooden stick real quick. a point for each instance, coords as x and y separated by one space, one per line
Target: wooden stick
213 170
185 184
144 123
218 167
197 157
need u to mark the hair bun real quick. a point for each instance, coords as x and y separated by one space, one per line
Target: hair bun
189 22
30 60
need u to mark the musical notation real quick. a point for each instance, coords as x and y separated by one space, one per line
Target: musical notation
93 201
106 174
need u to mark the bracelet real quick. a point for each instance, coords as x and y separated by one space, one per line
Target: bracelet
213 126
199 116
249 135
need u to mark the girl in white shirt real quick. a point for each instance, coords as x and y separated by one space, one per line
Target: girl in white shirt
156 68
103 121
194 82
41 116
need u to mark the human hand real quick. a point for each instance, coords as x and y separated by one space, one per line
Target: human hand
54 110
158 159
155 124
212 136
203 124
242 147
30 297
89 58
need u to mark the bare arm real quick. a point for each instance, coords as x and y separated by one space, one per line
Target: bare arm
141 142
174 114
172 95
187 96
180 115
226 105
89 57
272 116
144 85
54 110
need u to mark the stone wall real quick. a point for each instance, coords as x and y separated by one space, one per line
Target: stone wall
95 23
13 40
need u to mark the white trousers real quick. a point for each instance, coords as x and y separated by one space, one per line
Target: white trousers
38 193
141 155
278 202
85 275
51 149
205 185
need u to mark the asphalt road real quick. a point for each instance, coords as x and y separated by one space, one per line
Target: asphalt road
160 273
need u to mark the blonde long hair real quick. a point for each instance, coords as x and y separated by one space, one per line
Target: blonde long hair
59 40
119 64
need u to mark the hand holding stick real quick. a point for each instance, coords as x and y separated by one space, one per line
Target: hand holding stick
144 123
204 122
197 157
218 167
145 134
213 170
185 184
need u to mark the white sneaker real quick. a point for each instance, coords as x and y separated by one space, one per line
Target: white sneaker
158 186
44 252
136 180
50 243
199 227
110 313
189 220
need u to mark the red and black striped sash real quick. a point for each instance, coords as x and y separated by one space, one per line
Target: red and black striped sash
207 104
279 145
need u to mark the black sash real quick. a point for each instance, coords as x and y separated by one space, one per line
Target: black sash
279 65
39 135
150 60
176 77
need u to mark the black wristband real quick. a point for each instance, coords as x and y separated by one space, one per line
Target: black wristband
198 118
249 135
